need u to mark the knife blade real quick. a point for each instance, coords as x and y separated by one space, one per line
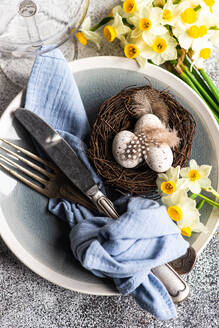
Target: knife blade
65 158
68 162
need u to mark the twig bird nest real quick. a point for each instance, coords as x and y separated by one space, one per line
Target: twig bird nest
121 113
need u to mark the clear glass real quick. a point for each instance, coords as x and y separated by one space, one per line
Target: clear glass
27 25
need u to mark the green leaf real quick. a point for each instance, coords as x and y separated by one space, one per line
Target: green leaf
200 204
176 2
126 23
197 8
216 28
104 21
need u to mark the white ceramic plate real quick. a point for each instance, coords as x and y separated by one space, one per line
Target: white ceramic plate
40 240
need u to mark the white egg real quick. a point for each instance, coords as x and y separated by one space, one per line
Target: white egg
159 159
147 120
118 147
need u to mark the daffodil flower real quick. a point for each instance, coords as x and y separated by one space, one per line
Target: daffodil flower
170 14
85 34
169 182
117 30
201 52
192 27
129 6
147 21
196 177
183 211
160 48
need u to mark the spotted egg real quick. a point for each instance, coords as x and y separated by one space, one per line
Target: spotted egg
119 147
159 158
147 120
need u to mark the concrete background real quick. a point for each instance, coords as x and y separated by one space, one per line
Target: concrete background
28 301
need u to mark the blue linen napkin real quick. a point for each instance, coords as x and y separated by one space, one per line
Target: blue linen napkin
125 249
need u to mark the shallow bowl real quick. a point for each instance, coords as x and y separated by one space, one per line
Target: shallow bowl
38 238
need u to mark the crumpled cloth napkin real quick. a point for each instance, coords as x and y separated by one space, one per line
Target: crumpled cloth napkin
125 249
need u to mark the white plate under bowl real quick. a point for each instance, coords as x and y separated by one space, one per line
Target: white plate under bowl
39 239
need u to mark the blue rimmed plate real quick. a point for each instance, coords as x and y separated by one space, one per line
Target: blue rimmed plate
39 239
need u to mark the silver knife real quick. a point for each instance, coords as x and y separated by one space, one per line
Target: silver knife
75 170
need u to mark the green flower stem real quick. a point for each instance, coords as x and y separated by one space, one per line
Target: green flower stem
197 75
104 21
209 201
204 94
211 84
186 79
200 204
193 196
212 191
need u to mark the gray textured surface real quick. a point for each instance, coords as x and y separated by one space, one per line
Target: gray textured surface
26 300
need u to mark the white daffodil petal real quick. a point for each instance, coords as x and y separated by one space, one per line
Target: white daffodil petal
193 164
194 187
175 198
173 173
170 53
159 30
163 176
199 227
185 41
136 33
156 13
205 182
148 53
182 184
148 38
119 26
142 63
158 60
93 36
86 24
117 10
184 172
205 170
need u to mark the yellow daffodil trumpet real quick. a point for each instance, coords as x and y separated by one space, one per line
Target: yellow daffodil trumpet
145 24
189 16
131 51
168 187
81 38
129 6
109 33
175 213
159 45
186 231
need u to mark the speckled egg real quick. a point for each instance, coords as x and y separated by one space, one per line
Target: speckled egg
121 153
147 120
159 159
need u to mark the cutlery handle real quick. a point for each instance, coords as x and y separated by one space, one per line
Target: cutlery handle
103 203
177 288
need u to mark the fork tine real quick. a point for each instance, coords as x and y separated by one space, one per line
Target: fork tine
26 181
29 163
30 154
22 169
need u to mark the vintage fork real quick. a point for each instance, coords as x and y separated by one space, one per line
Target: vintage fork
49 182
